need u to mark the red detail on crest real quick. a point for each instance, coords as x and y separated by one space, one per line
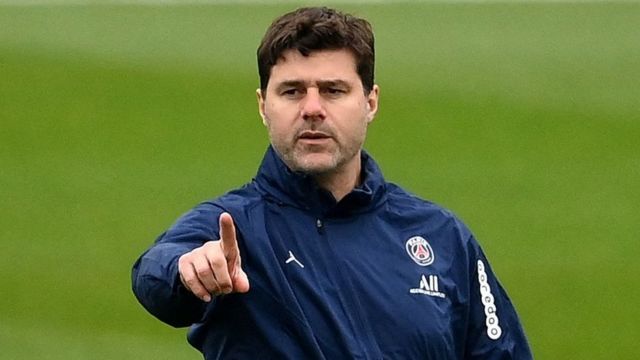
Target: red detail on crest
420 251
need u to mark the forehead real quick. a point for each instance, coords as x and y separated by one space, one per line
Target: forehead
319 65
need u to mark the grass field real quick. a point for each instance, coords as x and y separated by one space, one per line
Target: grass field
523 118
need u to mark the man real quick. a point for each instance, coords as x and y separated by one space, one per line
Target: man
318 257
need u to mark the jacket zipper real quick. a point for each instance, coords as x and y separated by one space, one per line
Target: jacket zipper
356 318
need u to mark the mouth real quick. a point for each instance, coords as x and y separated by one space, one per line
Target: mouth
313 136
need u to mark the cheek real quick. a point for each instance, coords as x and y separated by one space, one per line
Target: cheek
278 131
358 124
280 116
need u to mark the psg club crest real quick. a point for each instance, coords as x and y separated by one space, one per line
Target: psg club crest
420 251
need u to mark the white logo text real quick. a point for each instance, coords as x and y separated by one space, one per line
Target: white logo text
428 286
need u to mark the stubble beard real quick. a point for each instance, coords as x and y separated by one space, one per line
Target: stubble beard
299 158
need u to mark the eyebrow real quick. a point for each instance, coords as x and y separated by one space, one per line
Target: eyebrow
319 83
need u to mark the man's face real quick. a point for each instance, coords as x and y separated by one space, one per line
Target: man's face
316 111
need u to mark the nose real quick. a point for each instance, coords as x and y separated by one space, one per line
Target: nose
311 106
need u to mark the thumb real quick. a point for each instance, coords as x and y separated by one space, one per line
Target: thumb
240 281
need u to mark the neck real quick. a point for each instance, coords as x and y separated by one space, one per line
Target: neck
341 181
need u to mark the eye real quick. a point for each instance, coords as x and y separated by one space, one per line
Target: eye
334 91
291 92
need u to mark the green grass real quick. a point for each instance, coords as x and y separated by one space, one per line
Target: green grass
522 118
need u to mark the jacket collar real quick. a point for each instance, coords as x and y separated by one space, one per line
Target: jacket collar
278 183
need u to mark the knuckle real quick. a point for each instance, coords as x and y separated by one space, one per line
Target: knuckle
224 283
203 272
199 291
217 261
183 260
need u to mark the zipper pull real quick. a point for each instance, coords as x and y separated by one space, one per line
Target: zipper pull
319 226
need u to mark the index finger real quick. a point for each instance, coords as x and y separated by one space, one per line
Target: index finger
228 234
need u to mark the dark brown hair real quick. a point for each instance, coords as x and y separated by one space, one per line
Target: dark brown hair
313 29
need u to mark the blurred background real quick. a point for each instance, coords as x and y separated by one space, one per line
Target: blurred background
116 117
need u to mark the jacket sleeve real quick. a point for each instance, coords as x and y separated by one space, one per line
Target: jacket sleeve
155 279
494 331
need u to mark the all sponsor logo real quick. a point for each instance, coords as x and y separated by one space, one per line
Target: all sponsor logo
420 251
428 286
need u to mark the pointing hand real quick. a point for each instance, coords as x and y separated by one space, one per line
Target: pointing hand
215 267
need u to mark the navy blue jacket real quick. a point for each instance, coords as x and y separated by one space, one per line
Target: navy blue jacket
381 274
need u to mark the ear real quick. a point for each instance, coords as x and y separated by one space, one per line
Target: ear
261 107
372 103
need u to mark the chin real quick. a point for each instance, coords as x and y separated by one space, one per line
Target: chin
315 163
